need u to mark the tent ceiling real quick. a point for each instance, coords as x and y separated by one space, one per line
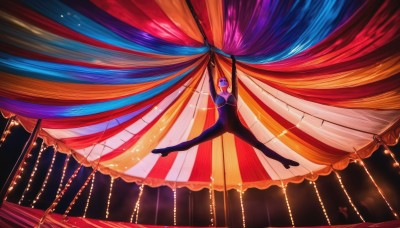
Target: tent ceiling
112 80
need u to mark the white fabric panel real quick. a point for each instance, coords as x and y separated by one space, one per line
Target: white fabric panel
180 129
95 151
176 168
333 135
76 132
91 129
186 166
143 168
174 135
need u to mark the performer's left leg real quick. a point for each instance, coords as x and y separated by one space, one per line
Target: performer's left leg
245 134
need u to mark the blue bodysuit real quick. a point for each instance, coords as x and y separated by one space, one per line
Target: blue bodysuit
228 121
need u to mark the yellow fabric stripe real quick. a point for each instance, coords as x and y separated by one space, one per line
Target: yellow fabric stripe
233 176
217 162
179 13
215 15
389 101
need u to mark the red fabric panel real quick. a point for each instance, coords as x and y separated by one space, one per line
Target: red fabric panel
202 168
200 7
162 166
148 17
251 169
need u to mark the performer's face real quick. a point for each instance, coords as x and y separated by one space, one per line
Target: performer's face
223 82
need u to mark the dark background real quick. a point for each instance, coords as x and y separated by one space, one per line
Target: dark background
262 207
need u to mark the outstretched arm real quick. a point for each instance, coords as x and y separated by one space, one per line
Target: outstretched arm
234 77
213 93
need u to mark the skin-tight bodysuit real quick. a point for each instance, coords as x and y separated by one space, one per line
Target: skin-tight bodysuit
228 121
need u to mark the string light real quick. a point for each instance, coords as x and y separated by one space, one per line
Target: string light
348 197
78 194
276 99
46 178
287 204
10 123
62 192
137 205
379 190
387 150
43 148
320 202
174 207
63 173
241 205
90 195
211 194
109 197
273 139
60 195
19 174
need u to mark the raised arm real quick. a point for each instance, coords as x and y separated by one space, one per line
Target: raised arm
234 78
213 93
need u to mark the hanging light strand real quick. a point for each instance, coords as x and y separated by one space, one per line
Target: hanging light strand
321 203
137 205
63 173
19 174
211 193
109 197
396 163
241 193
347 195
7 130
52 207
174 206
386 151
90 195
379 189
78 194
287 204
43 148
46 178
60 195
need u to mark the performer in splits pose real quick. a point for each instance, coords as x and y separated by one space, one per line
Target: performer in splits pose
228 120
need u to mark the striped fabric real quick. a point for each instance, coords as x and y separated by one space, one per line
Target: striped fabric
112 80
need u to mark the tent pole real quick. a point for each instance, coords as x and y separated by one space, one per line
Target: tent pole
12 177
157 204
226 206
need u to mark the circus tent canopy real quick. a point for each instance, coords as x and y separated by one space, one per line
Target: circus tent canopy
111 80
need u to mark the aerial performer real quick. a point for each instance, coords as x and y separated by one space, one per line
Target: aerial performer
228 120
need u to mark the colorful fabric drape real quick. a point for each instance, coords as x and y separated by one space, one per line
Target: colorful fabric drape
113 79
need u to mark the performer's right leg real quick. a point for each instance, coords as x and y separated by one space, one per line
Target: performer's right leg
248 136
212 132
